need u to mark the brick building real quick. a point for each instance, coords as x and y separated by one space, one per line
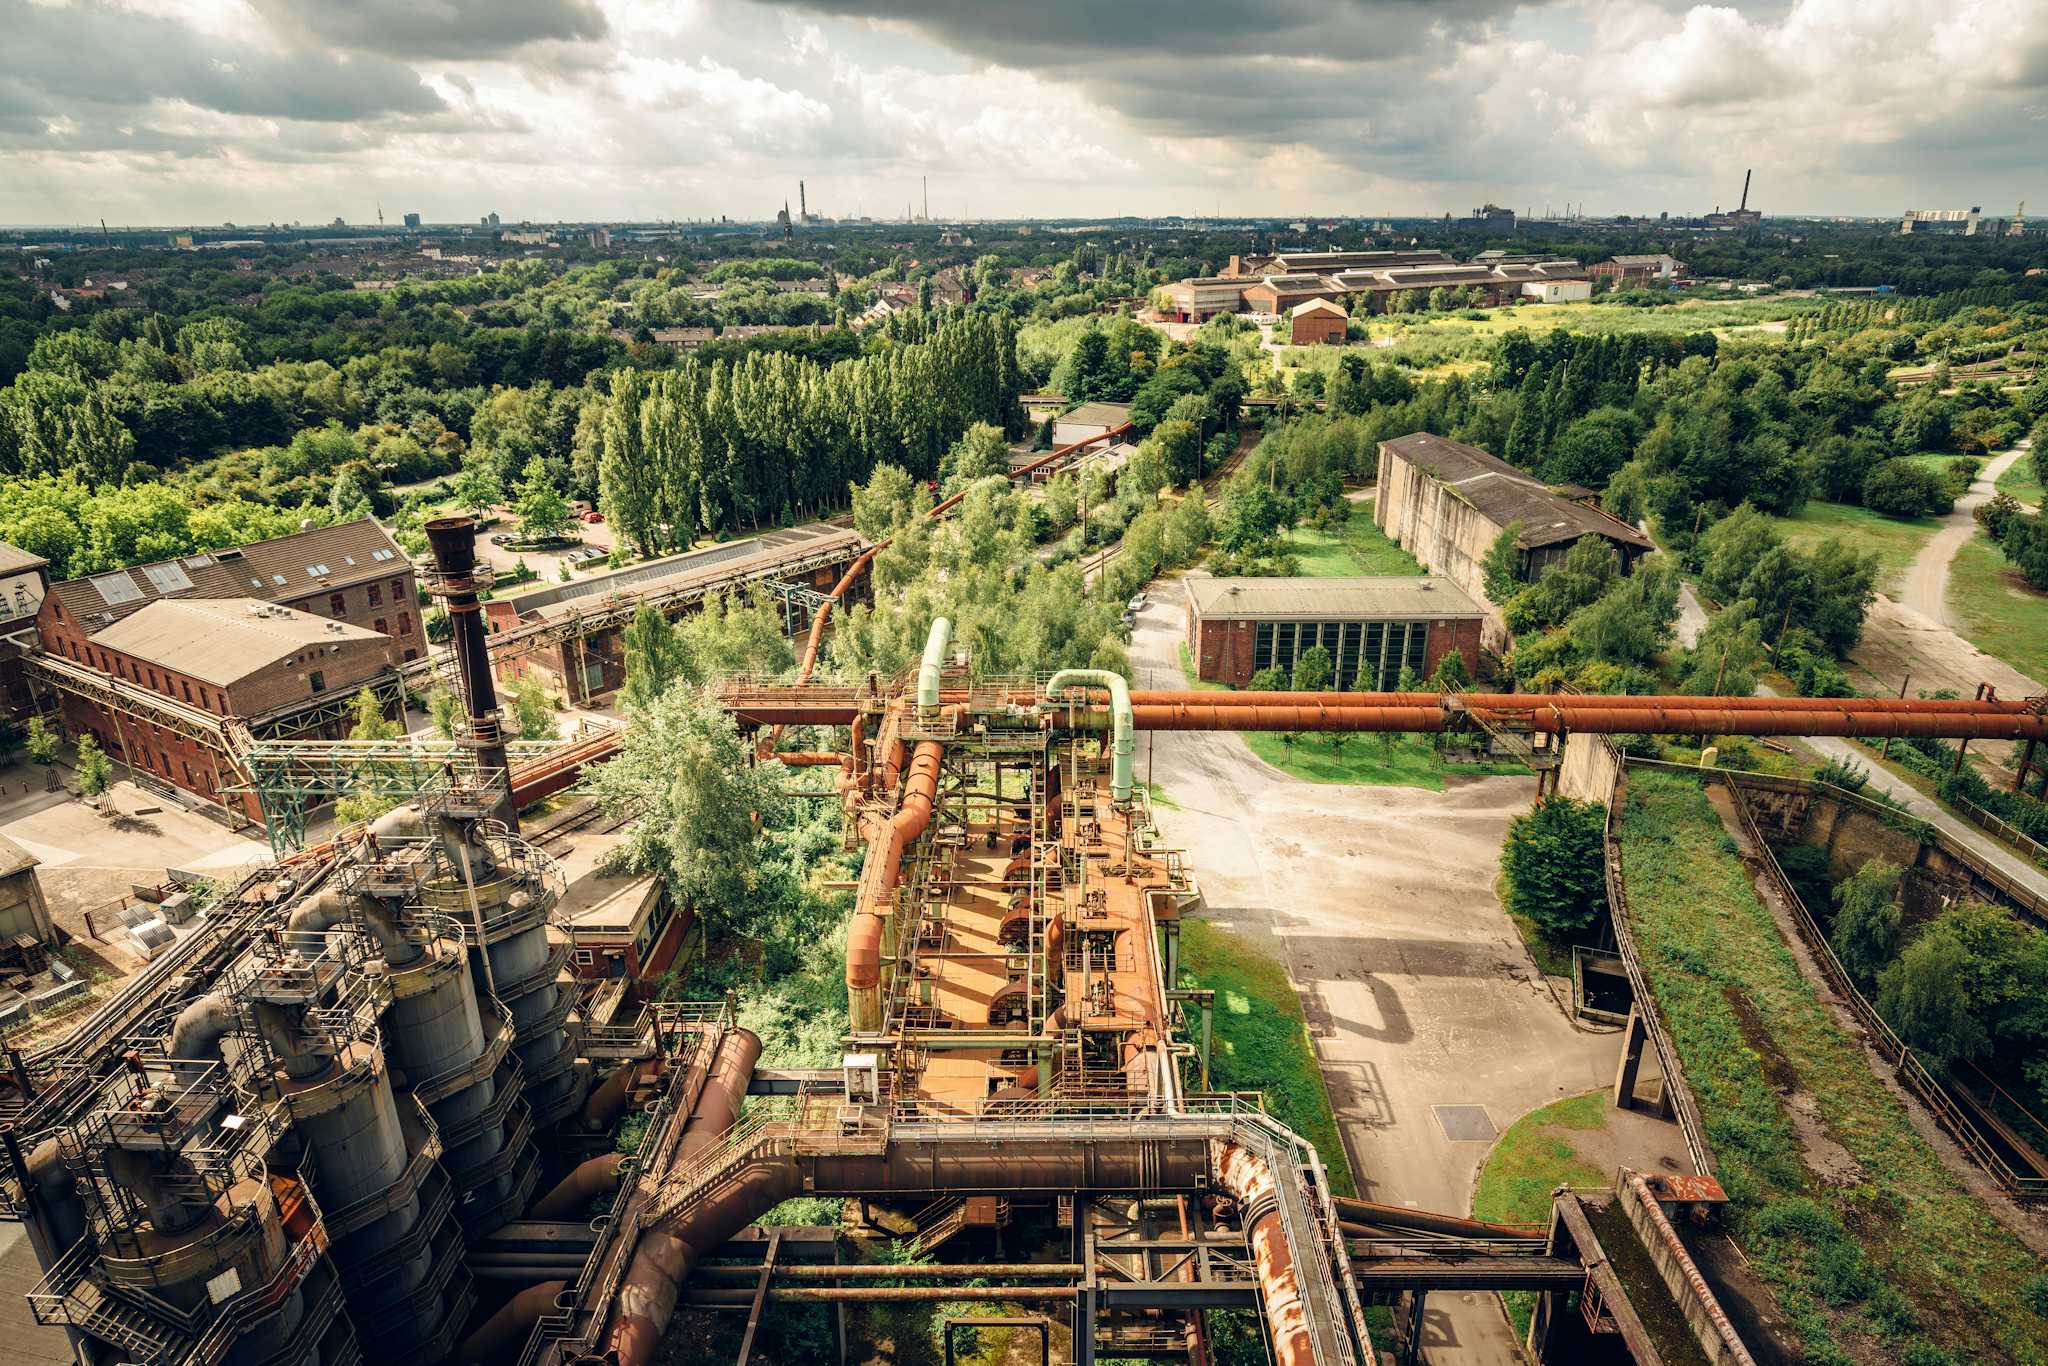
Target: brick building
24 581
1372 626
1317 323
1446 503
352 572
238 657
1629 271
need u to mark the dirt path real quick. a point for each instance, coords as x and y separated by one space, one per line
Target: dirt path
1379 902
1913 637
1925 589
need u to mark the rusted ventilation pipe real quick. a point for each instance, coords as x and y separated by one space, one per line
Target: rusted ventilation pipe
878 879
1528 701
801 758
1249 1179
1599 720
598 1176
503 1331
666 1255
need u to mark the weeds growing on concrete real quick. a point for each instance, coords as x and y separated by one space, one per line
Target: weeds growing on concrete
1870 1242
1261 1038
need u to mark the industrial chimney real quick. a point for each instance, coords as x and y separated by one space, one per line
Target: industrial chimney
1745 190
454 582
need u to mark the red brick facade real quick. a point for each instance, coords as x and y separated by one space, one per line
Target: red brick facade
1224 649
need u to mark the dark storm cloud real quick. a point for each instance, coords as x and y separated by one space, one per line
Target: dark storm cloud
1062 34
1363 80
73 60
462 30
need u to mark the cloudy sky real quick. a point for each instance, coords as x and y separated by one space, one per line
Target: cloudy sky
203 111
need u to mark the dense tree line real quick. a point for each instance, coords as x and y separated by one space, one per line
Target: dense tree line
712 446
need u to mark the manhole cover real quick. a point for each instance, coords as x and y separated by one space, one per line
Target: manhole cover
1465 1123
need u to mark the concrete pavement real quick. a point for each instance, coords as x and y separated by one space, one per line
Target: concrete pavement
1379 901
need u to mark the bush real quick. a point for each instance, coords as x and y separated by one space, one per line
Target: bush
1904 488
1554 861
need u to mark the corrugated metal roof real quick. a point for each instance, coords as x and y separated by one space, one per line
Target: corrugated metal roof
1379 597
1504 494
223 640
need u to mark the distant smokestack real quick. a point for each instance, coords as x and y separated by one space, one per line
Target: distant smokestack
803 206
453 541
1745 190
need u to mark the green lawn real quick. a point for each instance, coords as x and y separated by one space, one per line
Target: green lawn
1360 548
2021 482
1410 761
1888 1244
1261 1038
2001 614
1896 541
1534 1157
1407 761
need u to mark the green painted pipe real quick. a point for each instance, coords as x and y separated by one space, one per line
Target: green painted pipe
934 661
1123 746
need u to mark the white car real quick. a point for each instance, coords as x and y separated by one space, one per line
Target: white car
1136 604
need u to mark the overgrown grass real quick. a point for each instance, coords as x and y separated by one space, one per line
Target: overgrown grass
2021 482
1534 1157
1999 612
1408 761
1896 540
1261 1038
1889 1247
1359 547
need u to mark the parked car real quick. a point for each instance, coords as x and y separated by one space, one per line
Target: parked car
503 538
593 517
1136 604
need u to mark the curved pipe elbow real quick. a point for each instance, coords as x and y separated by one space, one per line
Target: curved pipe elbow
1123 742
200 1026
503 1331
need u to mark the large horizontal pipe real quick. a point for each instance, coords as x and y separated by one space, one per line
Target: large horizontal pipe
1523 701
854 1294
1368 1212
1591 717
1058 1271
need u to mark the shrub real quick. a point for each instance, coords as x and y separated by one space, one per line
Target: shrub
1904 488
1555 865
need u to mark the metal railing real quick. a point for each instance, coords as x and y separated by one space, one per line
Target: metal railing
1912 1073
1683 1107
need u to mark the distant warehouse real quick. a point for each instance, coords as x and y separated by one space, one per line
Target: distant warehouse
1446 503
1373 627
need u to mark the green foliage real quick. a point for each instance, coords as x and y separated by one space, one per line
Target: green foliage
1314 669
1922 996
43 741
702 808
1554 861
1748 1030
1906 488
533 709
444 710
543 512
1865 934
95 773
1502 567
476 487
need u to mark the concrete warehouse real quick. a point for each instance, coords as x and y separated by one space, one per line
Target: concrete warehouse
1446 503
1373 627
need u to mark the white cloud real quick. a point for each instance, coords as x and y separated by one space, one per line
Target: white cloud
260 109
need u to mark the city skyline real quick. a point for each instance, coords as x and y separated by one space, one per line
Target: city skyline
258 111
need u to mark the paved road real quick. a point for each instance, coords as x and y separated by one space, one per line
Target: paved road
1379 901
